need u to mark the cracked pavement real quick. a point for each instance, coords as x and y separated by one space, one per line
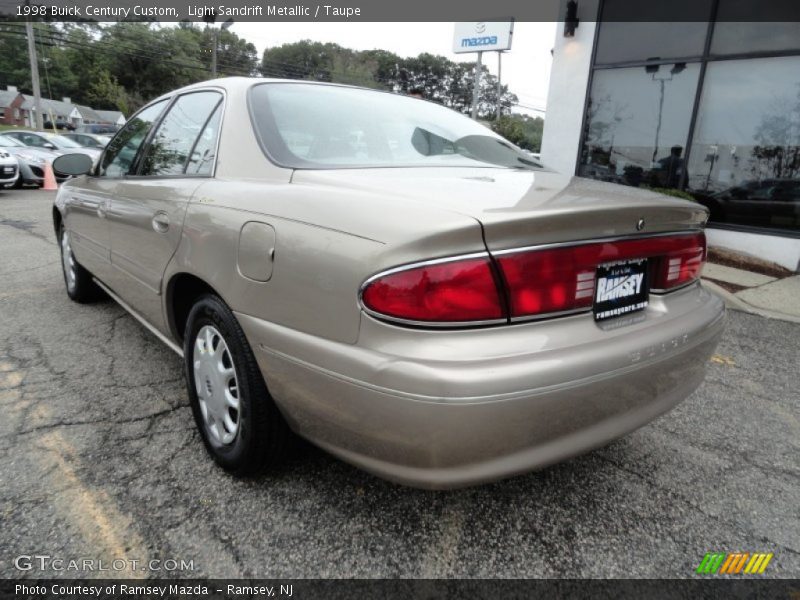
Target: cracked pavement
100 459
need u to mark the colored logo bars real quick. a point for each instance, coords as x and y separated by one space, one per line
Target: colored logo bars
734 563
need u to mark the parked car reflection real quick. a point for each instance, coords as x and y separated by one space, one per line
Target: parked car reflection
765 203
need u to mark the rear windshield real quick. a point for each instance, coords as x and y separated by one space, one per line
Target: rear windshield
328 127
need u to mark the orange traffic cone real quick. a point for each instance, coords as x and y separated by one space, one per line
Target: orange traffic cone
49 184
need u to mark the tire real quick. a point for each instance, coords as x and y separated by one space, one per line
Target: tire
78 281
260 439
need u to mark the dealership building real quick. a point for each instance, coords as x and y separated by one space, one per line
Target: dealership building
707 108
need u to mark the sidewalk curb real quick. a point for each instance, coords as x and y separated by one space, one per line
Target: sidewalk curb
735 303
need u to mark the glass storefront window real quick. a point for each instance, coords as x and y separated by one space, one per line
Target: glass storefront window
746 26
637 124
745 158
738 38
623 37
623 42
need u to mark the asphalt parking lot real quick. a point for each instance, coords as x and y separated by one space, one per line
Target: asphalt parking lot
100 459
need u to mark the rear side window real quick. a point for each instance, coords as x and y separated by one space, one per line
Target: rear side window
121 151
184 127
201 160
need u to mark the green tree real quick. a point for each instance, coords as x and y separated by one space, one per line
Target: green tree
438 78
523 130
106 93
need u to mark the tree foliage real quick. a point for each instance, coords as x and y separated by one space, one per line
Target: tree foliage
523 130
122 65
438 78
125 64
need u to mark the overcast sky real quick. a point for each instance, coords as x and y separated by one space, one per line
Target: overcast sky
526 68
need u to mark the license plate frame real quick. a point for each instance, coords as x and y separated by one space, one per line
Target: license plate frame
620 288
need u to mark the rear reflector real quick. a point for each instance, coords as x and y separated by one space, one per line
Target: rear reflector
557 280
536 282
447 292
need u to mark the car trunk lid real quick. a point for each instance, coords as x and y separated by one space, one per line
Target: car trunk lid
519 208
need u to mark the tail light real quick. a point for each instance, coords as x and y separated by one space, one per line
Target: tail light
536 281
558 280
681 263
447 292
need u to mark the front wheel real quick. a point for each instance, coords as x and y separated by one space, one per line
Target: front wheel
239 422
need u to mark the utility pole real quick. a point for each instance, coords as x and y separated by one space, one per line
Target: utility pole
214 42
499 85
37 93
476 85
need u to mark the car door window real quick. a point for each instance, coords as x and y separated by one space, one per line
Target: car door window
201 160
121 151
33 140
170 148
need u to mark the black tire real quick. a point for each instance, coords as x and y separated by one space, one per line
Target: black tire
84 288
262 439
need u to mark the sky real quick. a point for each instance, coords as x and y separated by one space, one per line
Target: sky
526 67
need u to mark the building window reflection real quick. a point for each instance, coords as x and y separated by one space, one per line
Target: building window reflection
637 124
719 125
745 160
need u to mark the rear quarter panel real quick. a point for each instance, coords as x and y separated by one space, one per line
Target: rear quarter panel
327 243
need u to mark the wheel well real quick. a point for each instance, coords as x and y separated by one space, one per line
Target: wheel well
56 221
182 292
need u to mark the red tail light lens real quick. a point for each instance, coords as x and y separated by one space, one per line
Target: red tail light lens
681 263
562 279
448 292
549 281
543 281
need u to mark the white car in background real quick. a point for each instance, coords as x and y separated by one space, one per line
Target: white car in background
51 141
9 169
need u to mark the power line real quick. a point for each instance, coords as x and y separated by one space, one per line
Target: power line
117 48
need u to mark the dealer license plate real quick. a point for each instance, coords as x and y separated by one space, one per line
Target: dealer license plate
620 288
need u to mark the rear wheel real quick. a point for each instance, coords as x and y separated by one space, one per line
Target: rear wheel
78 280
239 422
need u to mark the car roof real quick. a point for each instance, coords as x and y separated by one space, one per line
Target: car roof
235 84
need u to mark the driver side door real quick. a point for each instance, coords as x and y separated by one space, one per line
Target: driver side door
88 204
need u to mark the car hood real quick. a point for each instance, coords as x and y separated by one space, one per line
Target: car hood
518 207
92 153
36 152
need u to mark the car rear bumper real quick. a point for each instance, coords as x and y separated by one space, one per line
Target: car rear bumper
449 409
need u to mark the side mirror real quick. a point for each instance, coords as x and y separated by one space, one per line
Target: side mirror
72 164
49 146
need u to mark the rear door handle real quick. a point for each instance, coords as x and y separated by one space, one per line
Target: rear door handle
102 209
161 222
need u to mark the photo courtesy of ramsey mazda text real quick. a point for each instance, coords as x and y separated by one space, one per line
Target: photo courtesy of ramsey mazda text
388 279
